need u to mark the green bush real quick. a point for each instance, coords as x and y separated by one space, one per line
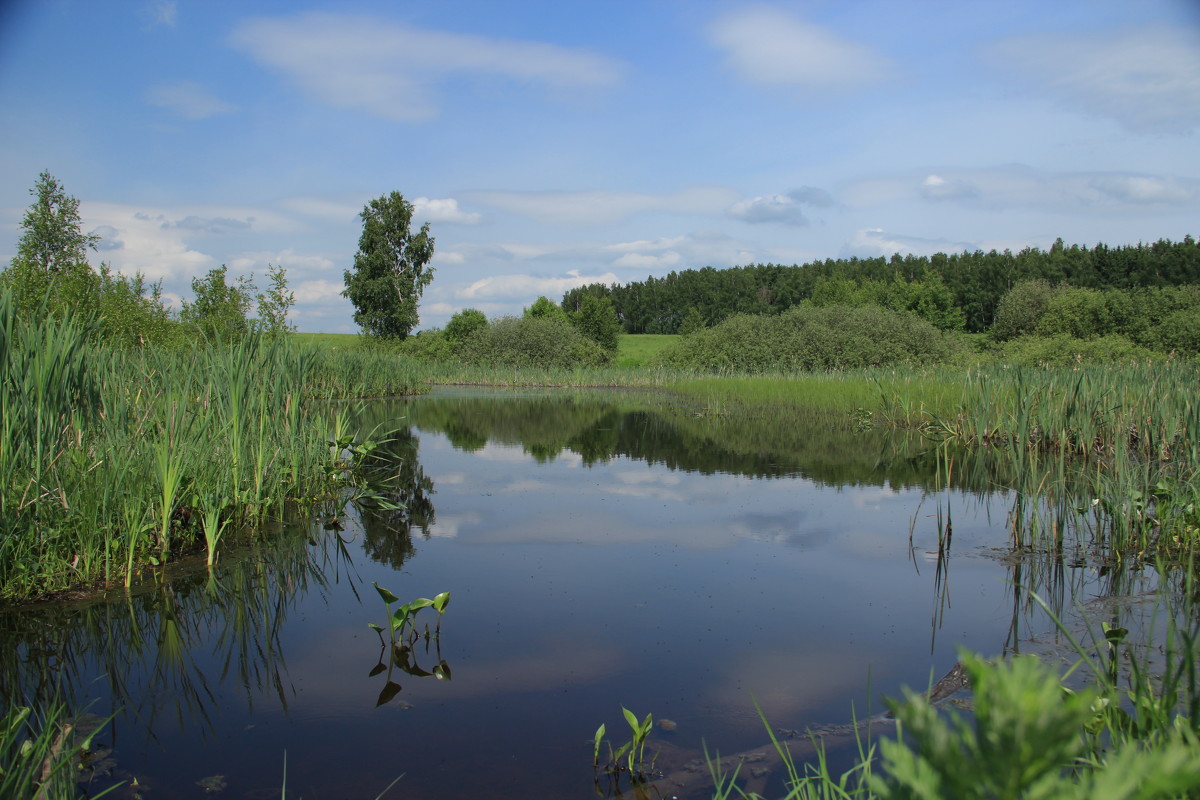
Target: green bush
433 344
531 342
464 323
1020 311
807 338
1062 349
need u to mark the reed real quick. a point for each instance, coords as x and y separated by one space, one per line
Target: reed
113 458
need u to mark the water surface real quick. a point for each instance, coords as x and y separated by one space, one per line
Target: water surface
601 551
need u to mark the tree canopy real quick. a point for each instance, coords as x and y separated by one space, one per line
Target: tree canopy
391 269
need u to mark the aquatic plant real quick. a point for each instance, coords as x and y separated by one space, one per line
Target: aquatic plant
43 755
112 458
402 619
630 757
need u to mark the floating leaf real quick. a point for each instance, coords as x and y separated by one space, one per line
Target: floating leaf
378 668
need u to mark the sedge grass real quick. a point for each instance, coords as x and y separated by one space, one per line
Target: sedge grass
104 450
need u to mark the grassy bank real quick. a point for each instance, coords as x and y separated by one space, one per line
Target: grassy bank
114 458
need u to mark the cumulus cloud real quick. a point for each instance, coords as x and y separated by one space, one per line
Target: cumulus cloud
780 208
318 291
444 210
165 243
769 46
139 242
1146 79
935 187
876 242
604 207
188 100
527 287
389 69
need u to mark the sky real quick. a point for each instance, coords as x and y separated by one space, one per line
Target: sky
554 144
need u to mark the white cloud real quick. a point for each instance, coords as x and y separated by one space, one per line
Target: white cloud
318 291
444 210
765 45
389 69
1146 189
1147 79
1021 187
163 12
528 287
162 243
665 260
935 187
876 242
605 207
779 208
188 100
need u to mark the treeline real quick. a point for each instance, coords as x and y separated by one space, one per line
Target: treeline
952 291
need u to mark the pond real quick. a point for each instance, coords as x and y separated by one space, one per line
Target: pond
602 550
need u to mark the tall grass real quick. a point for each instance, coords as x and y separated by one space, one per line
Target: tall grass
112 458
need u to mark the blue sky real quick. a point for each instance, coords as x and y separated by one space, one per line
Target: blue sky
553 144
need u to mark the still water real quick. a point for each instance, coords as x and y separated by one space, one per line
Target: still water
601 551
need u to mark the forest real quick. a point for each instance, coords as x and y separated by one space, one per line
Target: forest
960 291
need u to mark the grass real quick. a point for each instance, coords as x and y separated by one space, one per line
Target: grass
634 350
343 341
112 459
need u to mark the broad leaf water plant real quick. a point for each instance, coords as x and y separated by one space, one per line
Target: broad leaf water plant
403 635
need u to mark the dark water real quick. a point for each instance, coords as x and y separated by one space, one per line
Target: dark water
601 551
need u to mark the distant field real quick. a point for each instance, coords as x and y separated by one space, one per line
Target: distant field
342 340
635 349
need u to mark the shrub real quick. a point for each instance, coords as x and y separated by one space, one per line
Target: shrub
1020 311
465 323
531 342
1062 349
811 338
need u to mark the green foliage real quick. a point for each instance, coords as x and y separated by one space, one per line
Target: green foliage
432 344
814 339
465 323
52 253
545 308
1063 349
952 291
275 303
597 320
1020 311
1025 740
692 322
531 342
133 314
218 308
42 753
630 757
51 261
391 269
112 457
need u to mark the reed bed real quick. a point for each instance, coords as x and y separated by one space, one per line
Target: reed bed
113 458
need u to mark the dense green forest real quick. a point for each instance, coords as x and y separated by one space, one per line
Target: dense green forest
953 291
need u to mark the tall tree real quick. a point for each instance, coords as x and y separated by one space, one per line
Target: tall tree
52 254
391 269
